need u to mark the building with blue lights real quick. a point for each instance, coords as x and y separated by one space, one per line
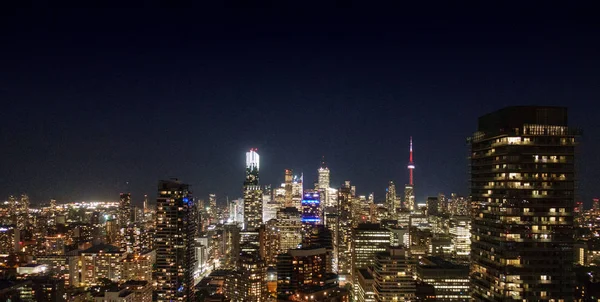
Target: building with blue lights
311 208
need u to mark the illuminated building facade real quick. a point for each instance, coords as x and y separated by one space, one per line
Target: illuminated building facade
174 242
460 231
311 209
253 282
297 191
125 210
391 200
366 284
299 268
253 204
451 281
323 184
289 226
523 188
138 267
101 261
9 239
393 276
367 240
342 249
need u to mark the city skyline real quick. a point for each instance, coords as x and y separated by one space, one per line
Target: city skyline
88 108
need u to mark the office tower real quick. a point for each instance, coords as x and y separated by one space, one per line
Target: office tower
596 204
460 231
311 209
390 200
393 276
409 189
365 286
522 187
252 192
432 205
323 186
124 210
303 267
288 187
270 207
451 281
297 191
174 241
289 224
367 240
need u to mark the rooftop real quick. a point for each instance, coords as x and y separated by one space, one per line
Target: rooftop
104 248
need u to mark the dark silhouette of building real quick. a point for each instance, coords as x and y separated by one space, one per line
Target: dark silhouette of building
523 188
174 242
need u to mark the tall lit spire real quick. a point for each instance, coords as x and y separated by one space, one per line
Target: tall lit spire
411 164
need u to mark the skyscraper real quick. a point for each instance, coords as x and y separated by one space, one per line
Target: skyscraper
288 188
212 210
522 187
367 240
311 209
124 210
390 200
252 192
174 242
409 189
324 183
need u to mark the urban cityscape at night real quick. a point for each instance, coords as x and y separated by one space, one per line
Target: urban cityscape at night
331 152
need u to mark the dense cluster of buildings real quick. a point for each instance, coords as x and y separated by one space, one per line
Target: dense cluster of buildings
519 236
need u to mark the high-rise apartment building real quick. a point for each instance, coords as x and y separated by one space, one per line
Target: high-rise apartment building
300 267
343 232
125 210
253 204
523 188
174 242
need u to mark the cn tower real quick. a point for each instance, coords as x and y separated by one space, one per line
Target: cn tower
411 165
409 189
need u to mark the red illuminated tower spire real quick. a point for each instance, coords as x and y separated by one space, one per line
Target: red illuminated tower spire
411 164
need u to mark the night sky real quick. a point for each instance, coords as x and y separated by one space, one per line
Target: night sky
100 101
